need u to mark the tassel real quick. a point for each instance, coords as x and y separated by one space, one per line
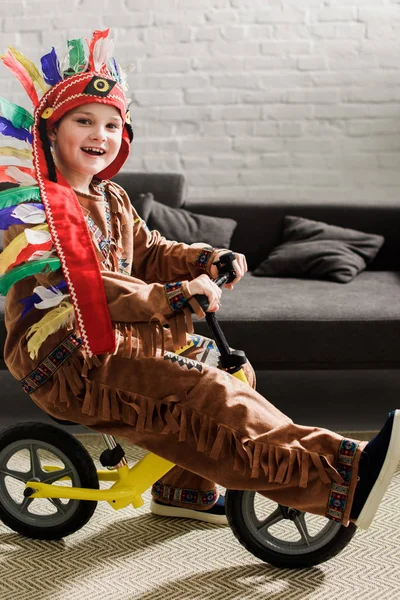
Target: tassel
10 253
30 68
21 154
19 195
97 35
51 68
21 177
22 213
55 320
35 299
77 57
18 116
26 270
7 128
22 74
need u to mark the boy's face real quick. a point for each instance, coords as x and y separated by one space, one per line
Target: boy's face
87 140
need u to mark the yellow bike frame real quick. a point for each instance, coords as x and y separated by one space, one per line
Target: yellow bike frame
130 483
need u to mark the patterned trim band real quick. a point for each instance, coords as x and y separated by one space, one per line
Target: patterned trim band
51 363
175 296
339 492
103 242
168 493
203 258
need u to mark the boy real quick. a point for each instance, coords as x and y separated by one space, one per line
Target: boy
99 354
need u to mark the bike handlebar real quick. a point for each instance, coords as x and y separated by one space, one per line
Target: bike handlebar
226 274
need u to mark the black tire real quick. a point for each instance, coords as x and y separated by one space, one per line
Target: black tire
278 551
35 438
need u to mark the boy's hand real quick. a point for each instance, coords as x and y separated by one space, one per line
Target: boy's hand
239 264
204 285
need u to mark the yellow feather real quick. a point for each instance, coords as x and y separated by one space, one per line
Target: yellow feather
53 321
10 253
16 152
30 67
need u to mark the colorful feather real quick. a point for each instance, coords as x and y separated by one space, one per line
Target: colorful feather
43 298
51 67
102 51
21 176
77 56
30 68
33 236
22 74
26 270
22 213
56 319
48 297
5 177
24 193
19 133
21 154
114 69
97 35
31 253
18 116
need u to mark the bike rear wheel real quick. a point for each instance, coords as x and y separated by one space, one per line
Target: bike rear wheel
43 453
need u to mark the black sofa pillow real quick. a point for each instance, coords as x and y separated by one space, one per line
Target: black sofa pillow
184 226
320 251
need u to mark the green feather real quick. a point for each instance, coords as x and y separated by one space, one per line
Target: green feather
27 269
24 193
18 116
77 56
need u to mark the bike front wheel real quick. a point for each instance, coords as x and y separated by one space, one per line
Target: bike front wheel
282 536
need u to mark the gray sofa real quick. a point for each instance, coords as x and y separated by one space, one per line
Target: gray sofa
325 353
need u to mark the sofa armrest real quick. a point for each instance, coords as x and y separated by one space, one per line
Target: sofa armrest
167 188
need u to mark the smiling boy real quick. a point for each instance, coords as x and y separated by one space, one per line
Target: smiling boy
86 336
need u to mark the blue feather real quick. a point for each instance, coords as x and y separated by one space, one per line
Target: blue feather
116 69
6 220
29 302
51 68
20 133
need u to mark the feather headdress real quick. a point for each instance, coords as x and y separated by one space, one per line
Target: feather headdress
88 73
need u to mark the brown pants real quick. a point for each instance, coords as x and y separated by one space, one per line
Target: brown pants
212 426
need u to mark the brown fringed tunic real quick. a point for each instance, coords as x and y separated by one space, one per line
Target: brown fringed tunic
211 425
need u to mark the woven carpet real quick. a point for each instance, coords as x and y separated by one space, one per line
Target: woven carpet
133 555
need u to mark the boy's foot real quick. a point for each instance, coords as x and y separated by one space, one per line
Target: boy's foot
215 514
378 464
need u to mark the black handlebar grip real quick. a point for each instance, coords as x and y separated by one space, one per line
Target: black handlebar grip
226 274
202 298
225 266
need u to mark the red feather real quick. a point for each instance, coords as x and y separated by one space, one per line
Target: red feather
97 35
11 62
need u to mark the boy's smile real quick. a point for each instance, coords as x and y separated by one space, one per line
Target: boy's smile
85 142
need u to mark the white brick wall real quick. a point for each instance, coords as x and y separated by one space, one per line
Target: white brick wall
267 99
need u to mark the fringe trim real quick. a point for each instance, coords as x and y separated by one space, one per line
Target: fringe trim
169 415
150 337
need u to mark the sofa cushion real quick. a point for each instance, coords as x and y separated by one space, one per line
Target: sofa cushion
298 323
318 250
184 226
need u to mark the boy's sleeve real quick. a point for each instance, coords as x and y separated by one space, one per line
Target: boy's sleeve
164 261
